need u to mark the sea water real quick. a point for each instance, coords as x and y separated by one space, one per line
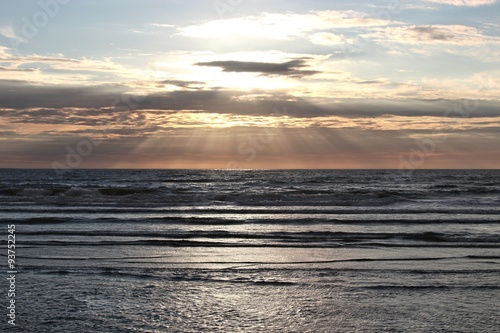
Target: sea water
253 251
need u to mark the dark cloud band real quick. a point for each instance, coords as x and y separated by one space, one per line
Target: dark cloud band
291 68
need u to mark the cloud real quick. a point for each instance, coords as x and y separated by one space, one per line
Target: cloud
327 38
290 68
163 25
66 63
22 94
104 99
466 3
4 53
433 34
58 69
38 123
9 69
183 84
8 32
281 26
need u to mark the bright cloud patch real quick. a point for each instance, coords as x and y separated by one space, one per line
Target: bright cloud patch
468 3
281 26
450 34
327 38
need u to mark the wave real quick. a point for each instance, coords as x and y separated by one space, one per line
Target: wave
303 236
345 219
164 195
269 239
177 277
124 191
72 192
430 287
35 220
253 266
207 191
285 210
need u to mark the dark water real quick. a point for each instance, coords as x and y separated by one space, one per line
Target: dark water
254 251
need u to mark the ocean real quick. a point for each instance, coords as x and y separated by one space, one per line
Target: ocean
251 250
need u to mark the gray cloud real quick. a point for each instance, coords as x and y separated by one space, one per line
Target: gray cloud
292 68
183 84
54 104
23 95
434 33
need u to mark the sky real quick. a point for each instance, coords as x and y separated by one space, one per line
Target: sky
248 84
